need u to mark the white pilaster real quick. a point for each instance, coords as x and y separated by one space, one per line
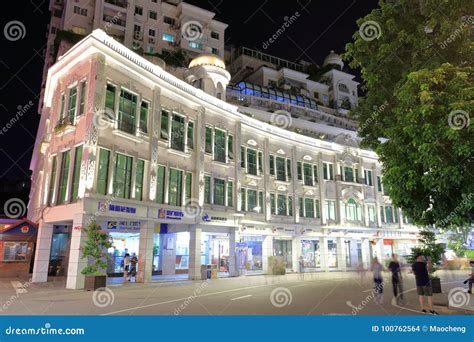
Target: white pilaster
145 254
267 250
341 254
75 280
233 237
43 251
195 253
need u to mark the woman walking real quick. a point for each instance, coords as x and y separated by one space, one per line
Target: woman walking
377 269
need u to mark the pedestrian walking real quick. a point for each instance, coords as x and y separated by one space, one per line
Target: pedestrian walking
301 268
470 280
133 267
423 283
126 267
377 269
395 268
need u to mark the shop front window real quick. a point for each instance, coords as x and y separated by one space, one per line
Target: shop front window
311 253
283 249
15 251
332 254
249 253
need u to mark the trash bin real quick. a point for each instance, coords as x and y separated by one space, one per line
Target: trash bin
213 274
204 272
209 274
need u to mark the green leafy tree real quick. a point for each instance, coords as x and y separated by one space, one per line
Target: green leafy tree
418 58
95 247
428 248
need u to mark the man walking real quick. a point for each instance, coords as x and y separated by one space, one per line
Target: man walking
395 268
423 283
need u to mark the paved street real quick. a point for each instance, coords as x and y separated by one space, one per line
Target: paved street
317 294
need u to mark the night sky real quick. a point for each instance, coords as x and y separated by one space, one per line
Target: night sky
320 27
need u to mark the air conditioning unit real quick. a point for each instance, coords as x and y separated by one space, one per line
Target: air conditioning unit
138 35
151 40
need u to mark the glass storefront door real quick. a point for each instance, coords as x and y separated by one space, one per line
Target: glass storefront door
250 257
283 248
332 254
58 261
122 243
311 253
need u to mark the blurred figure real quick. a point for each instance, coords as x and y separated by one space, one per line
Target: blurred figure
377 269
395 268
471 279
423 283
301 268
126 267
133 267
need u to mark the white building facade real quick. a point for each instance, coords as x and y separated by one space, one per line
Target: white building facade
182 178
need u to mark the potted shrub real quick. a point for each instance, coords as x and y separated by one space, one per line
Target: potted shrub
95 248
276 265
432 250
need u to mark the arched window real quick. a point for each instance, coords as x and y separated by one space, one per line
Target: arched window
353 210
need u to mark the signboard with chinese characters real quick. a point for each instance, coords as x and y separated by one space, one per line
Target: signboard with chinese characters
121 226
167 214
104 206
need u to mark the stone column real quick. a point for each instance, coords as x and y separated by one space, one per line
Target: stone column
379 250
75 280
168 256
233 238
324 254
295 253
43 251
341 254
195 253
267 250
145 252
365 252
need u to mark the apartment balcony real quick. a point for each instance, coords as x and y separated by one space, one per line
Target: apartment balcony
117 3
64 126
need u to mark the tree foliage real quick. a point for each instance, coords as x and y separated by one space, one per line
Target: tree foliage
95 247
429 248
421 64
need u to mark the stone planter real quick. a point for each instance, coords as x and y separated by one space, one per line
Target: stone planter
92 283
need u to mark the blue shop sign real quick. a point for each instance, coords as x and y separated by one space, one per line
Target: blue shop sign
170 214
123 226
117 208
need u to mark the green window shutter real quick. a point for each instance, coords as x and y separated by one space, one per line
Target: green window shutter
122 175
175 187
251 200
160 185
139 180
260 162
308 174
177 132
110 97
144 117
127 112
63 177
301 209
242 157
261 202
315 172
382 214
219 191
219 146
164 134
230 194
299 167
72 105
318 209
251 161
103 173
82 101
281 205
288 168
290 206
207 189
189 185
52 180
190 135
280 169
272 165
76 174
309 207
230 147
208 139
